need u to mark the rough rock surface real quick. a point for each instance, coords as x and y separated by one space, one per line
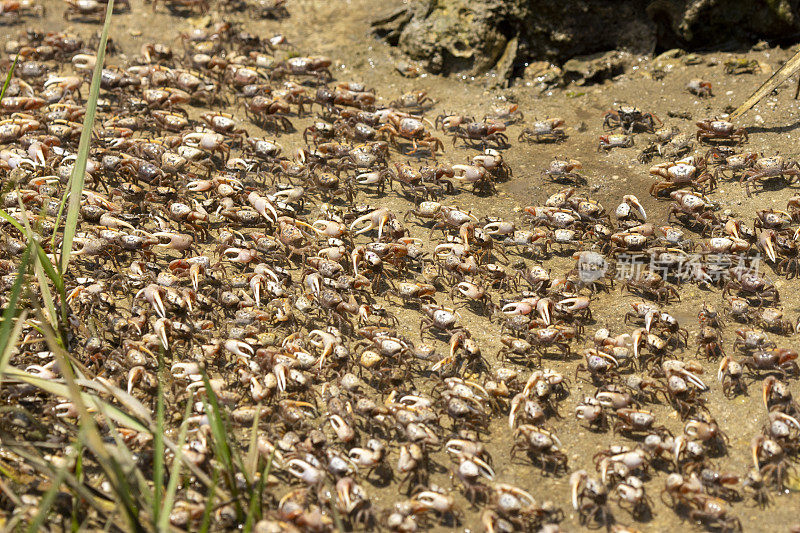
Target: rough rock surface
473 36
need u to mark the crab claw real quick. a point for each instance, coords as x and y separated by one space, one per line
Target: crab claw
280 376
637 339
134 374
680 444
512 413
263 206
486 470
575 481
766 389
194 274
517 308
543 307
189 370
376 218
786 418
255 286
632 201
152 293
695 380
239 348
755 446
343 491
765 239
160 328
648 319
442 363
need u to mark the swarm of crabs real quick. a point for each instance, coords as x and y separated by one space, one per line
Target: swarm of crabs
338 295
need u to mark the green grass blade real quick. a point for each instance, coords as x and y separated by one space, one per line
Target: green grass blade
10 312
205 523
158 443
251 461
44 266
9 76
63 391
38 268
220 440
5 355
87 495
114 471
79 170
47 502
76 507
11 220
175 471
255 512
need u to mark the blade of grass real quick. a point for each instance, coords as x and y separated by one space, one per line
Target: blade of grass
174 474
158 443
114 471
220 441
5 355
13 221
78 177
44 288
9 76
251 462
63 391
205 523
89 495
74 522
6 328
47 501
254 511
142 416
45 262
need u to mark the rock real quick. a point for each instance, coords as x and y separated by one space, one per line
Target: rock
505 65
542 73
453 35
475 36
673 53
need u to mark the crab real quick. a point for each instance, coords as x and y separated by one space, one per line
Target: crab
770 167
728 162
651 284
482 133
694 206
720 130
544 131
789 254
417 100
615 140
781 360
709 343
438 318
411 128
540 445
680 173
741 65
750 283
590 500
562 170
630 118
699 88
